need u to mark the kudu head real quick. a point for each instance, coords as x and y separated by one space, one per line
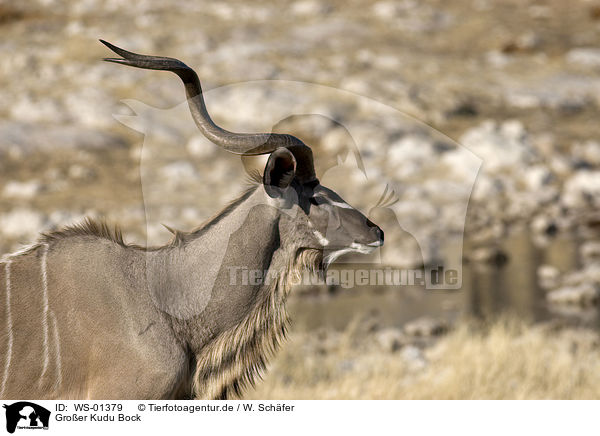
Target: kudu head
315 217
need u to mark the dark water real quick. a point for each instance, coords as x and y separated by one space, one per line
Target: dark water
488 291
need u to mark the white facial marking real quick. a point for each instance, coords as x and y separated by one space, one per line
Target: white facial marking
355 246
44 268
322 240
341 205
334 255
9 327
362 248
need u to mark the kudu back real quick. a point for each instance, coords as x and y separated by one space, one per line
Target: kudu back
87 316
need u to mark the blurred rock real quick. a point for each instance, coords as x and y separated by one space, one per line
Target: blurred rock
590 251
488 235
426 327
497 59
540 12
409 154
586 315
585 57
390 339
503 147
582 190
309 8
590 273
21 139
564 93
335 141
21 190
200 147
526 42
537 177
26 109
21 223
179 171
587 152
414 357
544 225
548 276
489 255
560 165
80 172
582 295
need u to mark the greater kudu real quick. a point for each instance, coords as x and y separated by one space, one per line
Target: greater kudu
86 315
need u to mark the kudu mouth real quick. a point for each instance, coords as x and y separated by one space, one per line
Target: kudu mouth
366 248
332 253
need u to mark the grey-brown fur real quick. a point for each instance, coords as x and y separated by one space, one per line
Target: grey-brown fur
200 363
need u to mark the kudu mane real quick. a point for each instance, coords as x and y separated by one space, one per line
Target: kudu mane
238 356
103 230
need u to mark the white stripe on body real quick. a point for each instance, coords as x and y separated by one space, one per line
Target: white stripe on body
9 328
44 267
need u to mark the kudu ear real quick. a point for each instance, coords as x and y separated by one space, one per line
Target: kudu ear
279 171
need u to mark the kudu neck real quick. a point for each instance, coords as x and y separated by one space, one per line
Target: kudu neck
214 279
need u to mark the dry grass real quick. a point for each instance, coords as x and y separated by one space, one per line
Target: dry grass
507 360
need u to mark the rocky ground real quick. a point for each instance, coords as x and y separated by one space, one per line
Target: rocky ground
429 94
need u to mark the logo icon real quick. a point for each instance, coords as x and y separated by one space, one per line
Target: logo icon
26 415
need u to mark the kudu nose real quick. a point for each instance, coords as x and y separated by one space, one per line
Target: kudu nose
376 232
